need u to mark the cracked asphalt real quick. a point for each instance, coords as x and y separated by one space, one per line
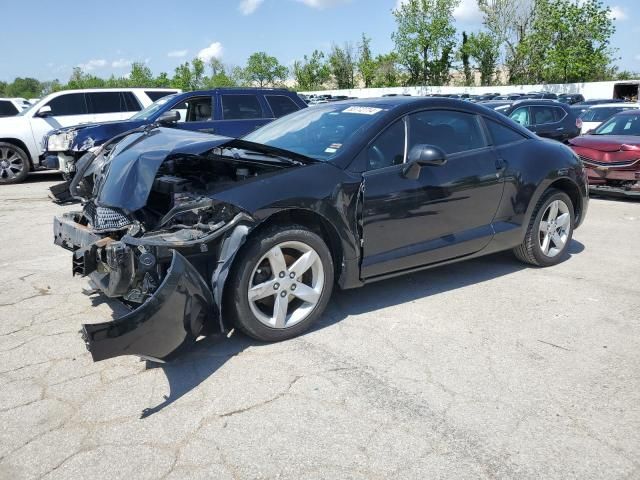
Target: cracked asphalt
483 369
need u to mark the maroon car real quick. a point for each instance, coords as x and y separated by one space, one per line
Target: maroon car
611 155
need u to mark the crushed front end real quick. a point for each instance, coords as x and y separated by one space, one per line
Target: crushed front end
152 235
615 173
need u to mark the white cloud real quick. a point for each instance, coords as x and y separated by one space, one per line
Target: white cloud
247 7
321 4
93 64
212 51
121 63
618 13
467 11
177 53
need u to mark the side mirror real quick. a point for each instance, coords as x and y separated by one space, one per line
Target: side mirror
44 111
423 156
171 116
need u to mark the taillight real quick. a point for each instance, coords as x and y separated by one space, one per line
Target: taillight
579 123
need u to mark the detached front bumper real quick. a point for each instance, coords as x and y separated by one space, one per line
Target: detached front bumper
166 322
163 326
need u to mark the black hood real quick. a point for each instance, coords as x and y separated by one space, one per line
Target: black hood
124 177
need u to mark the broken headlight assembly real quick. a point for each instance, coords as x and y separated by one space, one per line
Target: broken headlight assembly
61 142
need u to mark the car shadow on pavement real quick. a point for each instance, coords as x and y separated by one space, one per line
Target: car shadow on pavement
212 352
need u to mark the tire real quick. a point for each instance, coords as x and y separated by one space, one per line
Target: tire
546 245
14 164
254 268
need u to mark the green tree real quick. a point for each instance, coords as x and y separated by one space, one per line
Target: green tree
387 72
569 42
24 87
80 79
264 70
312 72
425 38
484 49
366 63
182 77
342 65
464 56
162 80
140 75
509 22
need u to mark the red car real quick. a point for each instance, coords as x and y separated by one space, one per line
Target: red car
611 155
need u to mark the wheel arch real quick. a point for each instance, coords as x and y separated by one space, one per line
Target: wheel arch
570 187
315 222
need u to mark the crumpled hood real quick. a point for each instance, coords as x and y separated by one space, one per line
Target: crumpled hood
608 143
95 134
135 161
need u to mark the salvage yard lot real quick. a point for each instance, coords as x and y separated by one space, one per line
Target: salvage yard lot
484 369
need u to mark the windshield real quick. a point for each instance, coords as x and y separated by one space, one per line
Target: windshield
600 114
620 124
319 132
148 112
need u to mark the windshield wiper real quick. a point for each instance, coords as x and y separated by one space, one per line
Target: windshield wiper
280 153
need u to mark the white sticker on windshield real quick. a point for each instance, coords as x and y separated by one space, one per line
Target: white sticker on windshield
362 110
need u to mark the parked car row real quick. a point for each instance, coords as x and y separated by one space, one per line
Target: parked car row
59 129
21 136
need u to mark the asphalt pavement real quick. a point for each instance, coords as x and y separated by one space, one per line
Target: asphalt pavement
482 369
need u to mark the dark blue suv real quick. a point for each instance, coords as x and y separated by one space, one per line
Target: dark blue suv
230 112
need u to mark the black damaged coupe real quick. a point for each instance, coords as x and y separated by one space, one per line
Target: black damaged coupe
200 234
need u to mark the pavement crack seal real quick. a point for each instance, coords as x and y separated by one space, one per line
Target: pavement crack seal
262 404
554 345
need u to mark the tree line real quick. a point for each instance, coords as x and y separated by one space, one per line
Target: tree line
521 42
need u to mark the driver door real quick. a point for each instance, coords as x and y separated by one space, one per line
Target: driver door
446 212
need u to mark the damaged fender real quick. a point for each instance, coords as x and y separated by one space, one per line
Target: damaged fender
166 324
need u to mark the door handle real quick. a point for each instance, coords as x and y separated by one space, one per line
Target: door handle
501 164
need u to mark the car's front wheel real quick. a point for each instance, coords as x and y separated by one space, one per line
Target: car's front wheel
280 283
14 163
549 232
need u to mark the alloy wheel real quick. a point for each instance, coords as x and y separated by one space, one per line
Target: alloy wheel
286 284
11 163
554 229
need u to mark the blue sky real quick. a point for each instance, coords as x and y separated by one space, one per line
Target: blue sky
48 40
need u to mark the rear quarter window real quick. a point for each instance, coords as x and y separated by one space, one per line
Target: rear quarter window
157 94
7 108
502 135
281 105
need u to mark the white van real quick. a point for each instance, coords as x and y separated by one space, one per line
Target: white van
21 136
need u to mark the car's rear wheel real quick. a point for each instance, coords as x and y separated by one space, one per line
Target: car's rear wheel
14 163
549 232
280 284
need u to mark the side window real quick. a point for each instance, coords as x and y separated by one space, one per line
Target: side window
103 102
521 116
502 135
240 107
542 115
452 131
558 114
7 108
388 148
129 102
281 105
196 109
68 104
